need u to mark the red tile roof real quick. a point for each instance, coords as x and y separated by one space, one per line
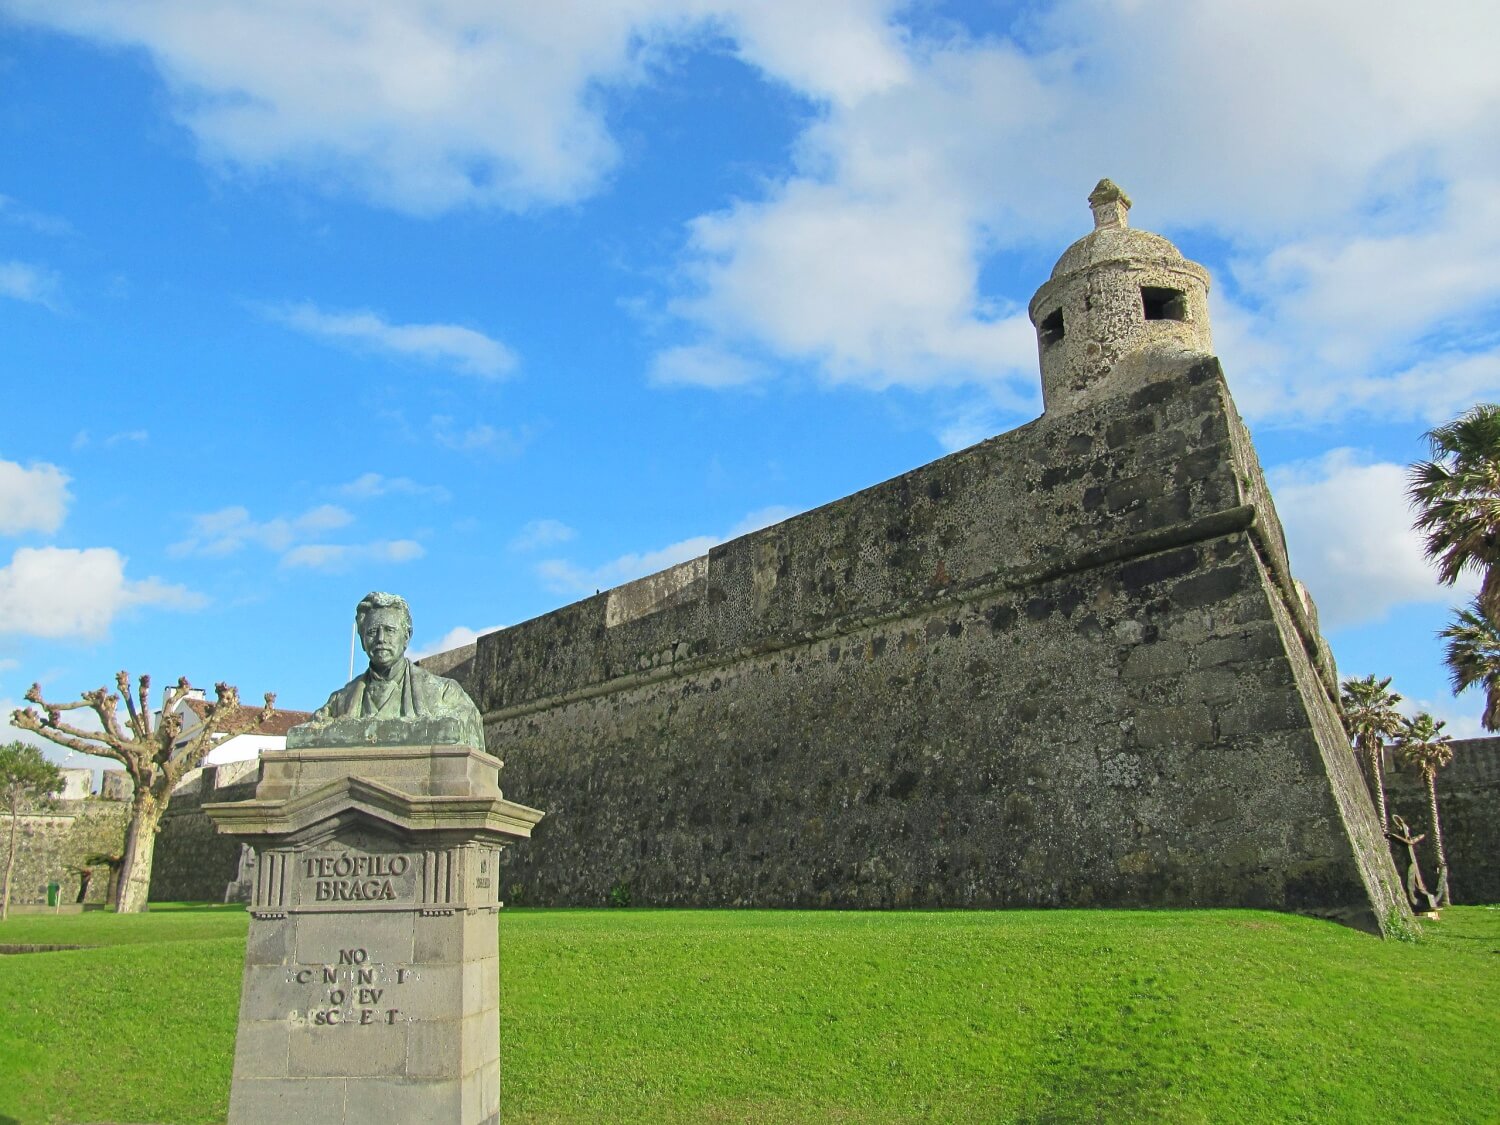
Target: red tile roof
278 724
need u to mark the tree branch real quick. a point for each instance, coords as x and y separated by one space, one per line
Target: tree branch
145 683
122 681
107 707
84 741
34 695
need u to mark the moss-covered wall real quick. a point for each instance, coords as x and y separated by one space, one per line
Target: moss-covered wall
1066 666
57 845
1468 792
193 862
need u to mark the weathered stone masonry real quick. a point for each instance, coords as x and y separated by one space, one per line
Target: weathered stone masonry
1469 805
1067 666
1063 667
193 862
58 844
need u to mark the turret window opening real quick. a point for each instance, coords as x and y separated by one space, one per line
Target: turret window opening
1163 304
1052 330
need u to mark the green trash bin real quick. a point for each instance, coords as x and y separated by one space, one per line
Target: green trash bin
53 890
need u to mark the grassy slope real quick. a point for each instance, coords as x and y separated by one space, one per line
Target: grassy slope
792 1016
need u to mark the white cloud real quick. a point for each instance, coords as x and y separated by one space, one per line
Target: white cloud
334 558
82 439
1429 391
371 486
456 102
867 259
60 592
974 420
1353 177
877 291
698 365
418 108
456 637
12 211
33 498
478 438
1345 323
541 533
1350 538
562 576
24 282
758 519
449 345
1461 715
231 529
840 50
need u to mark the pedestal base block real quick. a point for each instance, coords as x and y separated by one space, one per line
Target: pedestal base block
372 967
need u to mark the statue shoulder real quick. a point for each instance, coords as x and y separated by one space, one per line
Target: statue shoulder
441 686
338 704
339 701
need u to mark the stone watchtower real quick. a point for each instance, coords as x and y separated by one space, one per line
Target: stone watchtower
1115 292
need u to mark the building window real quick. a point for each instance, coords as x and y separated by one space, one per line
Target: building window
1051 330
1163 304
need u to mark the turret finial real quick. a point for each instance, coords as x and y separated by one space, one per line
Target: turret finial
1109 205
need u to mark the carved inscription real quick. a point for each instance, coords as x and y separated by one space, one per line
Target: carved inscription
354 992
352 877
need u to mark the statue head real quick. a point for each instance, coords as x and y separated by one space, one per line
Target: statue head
384 625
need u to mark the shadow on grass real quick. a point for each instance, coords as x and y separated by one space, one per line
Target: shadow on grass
192 908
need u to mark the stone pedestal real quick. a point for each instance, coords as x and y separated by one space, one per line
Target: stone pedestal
372 970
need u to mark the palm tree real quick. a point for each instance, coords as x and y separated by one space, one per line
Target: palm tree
1424 745
1370 713
1457 497
1474 658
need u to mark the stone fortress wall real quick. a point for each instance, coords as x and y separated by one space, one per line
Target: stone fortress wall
1068 666
193 863
84 831
1468 790
59 844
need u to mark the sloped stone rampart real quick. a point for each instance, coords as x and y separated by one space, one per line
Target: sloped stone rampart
1064 667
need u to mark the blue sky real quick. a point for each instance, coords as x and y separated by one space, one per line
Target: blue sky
496 304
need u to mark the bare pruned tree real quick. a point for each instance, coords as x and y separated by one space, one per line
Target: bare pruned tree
156 753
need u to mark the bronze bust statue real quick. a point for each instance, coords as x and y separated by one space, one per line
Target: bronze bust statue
393 687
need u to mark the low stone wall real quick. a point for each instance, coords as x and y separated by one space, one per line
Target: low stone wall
1468 792
58 846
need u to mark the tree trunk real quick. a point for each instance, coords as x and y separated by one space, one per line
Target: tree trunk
1443 895
1377 782
140 849
10 866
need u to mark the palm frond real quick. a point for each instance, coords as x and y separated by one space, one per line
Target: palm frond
1457 497
1423 744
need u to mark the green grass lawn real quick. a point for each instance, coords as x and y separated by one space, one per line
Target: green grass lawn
769 1016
